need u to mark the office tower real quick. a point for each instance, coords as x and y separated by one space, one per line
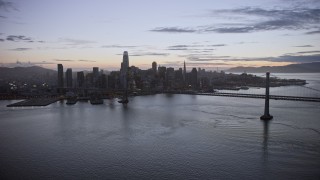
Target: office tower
80 79
95 76
60 76
154 67
124 70
179 75
170 77
162 72
125 59
184 72
95 71
194 78
103 81
69 77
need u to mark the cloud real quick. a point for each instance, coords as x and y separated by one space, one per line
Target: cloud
207 64
200 48
217 45
256 19
207 58
76 41
179 46
308 52
3 17
18 38
173 30
7 6
310 15
281 24
284 58
304 46
117 46
1 40
242 42
177 49
313 32
299 59
82 60
183 47
70 60
270 19
64 60
20 49
21 38
147 54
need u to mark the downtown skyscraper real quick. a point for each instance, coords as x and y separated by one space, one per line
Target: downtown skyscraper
69 77
124 70
60 76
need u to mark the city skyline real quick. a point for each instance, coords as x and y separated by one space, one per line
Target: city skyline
206 34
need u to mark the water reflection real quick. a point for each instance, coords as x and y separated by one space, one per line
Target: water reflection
111 103
126 121
265 141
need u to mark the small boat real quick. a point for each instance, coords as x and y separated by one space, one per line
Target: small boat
95 101
71 101
244 87
124 101
84 99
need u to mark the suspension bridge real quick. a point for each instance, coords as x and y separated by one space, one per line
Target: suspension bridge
308 92
292 93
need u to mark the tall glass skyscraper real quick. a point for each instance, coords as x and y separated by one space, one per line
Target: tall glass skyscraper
124 70
69 77
60 76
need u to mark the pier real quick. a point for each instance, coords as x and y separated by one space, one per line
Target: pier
34 102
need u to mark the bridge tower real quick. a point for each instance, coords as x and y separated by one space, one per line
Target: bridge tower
266 115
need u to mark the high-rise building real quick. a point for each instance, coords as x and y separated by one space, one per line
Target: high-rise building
125 59
162 72
154 67
179 75
95 71
95 76
170 77
60 76
80 79
69 77
124 70
184 72
194 78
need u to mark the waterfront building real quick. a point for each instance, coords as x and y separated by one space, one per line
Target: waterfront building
69 77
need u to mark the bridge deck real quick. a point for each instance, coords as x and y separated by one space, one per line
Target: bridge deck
261 96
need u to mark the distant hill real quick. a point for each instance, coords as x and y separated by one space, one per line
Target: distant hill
292 68
26 73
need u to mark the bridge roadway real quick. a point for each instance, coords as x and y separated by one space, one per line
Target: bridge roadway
261 96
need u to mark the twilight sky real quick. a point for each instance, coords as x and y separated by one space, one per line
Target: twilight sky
205 33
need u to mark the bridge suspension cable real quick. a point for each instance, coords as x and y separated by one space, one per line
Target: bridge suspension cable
310 88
